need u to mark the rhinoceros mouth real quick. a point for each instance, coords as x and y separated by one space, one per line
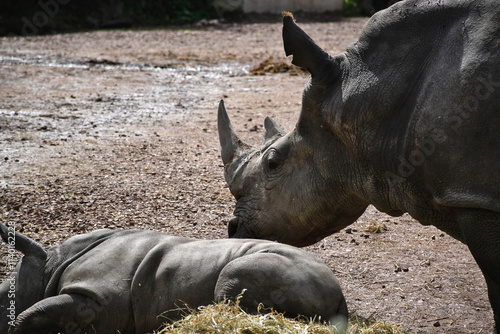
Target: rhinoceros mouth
237 229
232 226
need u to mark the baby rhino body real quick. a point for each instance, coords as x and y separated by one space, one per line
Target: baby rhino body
132 281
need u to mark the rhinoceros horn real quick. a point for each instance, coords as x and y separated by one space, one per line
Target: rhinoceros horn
273 132
306 53
231 145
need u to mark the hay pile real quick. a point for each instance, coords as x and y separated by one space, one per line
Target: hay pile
227 317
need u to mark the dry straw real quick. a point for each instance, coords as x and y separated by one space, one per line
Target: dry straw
227 318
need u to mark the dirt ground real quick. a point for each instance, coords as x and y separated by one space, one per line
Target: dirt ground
117 129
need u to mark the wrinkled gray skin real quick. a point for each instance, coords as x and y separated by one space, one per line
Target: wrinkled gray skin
132 281
406 119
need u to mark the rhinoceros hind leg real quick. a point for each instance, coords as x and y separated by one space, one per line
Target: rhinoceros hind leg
481 230
68 313
295 288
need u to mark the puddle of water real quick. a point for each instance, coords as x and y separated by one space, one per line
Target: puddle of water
208 70
167 90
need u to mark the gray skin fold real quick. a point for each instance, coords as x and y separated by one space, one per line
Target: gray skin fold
132 281
407 119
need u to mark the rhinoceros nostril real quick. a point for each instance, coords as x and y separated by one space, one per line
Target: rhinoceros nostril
232 226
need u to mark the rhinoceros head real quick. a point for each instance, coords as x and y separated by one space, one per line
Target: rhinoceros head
293 188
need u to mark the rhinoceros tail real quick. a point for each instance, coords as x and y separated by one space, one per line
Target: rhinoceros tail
22 243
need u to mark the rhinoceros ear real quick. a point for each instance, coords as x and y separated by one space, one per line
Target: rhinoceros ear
23 244
306 53
231 145
273 132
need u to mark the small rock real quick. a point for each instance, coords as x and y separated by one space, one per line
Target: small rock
425 263
399 268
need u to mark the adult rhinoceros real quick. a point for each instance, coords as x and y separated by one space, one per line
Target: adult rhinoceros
132 281
406 119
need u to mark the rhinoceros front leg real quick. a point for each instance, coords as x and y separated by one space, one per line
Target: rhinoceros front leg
481 230
68 313
289 286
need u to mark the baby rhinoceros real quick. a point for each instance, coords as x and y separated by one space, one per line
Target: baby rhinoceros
132 281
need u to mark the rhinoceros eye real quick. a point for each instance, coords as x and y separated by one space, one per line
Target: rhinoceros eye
273 161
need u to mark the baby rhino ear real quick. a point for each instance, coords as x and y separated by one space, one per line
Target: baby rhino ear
273 132
306 53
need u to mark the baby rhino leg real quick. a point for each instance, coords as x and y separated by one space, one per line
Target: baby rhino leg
68 313
295 288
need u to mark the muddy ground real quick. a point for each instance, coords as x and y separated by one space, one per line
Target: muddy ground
117 129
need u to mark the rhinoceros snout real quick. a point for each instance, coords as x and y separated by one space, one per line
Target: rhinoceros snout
232 226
